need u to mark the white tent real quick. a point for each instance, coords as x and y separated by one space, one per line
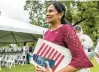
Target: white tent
13 31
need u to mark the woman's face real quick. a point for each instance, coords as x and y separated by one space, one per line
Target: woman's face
52 14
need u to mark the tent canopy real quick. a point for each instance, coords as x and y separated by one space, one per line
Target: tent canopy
13 31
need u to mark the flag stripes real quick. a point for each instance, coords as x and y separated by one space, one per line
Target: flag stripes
44 49
40 48
49 52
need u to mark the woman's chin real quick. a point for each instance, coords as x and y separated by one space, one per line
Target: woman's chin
48 22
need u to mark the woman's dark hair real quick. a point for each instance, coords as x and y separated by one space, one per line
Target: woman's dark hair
60 8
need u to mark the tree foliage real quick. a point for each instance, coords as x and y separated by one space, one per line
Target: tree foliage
37 12
84 13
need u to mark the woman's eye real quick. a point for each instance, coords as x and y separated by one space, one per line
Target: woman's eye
50 11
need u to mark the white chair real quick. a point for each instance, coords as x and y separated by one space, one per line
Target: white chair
19 49
21 59
15 49
4 59
11 61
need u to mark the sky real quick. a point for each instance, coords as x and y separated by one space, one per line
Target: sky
14 9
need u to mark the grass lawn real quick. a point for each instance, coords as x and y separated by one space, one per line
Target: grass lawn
19 68
96 66
30 68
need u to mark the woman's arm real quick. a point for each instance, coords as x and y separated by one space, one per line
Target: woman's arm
79 58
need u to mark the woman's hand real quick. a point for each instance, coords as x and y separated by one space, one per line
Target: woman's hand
42 69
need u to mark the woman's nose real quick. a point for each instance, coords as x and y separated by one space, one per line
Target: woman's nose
47 14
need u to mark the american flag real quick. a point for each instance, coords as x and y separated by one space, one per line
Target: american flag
47 51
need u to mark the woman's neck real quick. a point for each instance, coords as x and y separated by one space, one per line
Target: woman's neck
55 26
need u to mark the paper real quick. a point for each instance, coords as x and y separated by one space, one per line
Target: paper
51 52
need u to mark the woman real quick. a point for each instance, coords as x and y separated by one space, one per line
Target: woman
63 34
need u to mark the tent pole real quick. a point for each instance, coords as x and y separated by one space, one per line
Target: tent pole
14 37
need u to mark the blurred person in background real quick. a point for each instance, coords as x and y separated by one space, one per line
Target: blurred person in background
26 51
86 42
97 48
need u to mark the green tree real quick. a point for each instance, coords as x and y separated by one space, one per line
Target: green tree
37 12
85 13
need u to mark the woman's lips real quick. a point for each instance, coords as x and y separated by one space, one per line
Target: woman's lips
48 17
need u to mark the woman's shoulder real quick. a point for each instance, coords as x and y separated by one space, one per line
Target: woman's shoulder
46 32
68 27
